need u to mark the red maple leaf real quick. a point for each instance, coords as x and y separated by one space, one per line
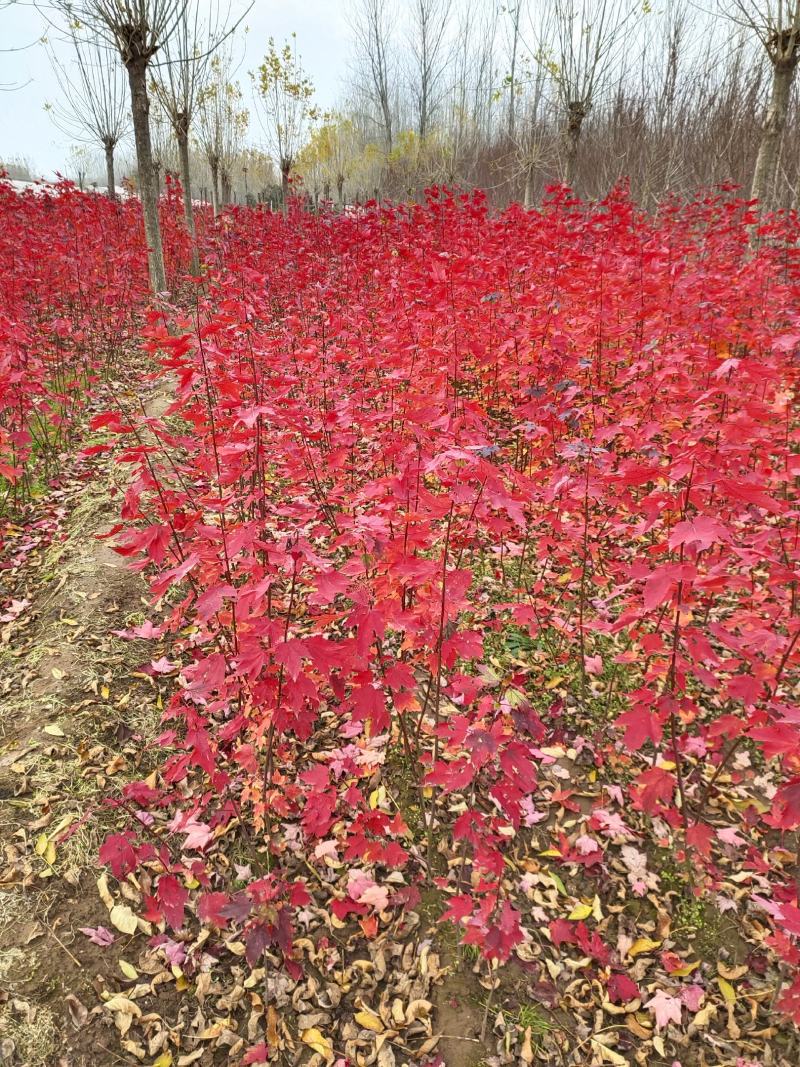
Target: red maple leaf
502 937
209 908
654 787
640 725
622 989
172 897
120 855
562 932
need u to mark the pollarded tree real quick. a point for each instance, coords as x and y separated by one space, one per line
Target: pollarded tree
177 84
137 29
776 24
79 165
92 105
181 75
310 167
584 42
236 119
334 146
223 122
258 173
284 93
164 145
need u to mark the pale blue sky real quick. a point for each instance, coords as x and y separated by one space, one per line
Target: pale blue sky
324 41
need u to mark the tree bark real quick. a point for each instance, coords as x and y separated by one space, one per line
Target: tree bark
148 194
576 113
111 188
182 137
528 196
386 108
340 190
214 167
225 187
285 168
512 86
766 168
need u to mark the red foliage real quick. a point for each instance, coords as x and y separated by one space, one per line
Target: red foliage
407 430
404 433
74 270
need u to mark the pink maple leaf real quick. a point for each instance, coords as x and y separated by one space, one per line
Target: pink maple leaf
198 834
593 664
665 1009
377 896
99 935
729 836
692 996
162 666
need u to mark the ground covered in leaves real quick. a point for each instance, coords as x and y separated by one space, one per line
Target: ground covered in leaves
85 980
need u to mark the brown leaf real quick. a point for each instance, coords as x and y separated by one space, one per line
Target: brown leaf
78 1013
526 1052
636 1027
272 1027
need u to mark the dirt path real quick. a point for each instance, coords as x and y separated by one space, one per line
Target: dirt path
76 714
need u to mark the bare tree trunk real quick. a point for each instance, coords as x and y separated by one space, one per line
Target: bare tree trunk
374 30
766 168
340 190
512 80
225 187
528 199
148 191
386 109
214 167
111 189
182 137
285 167
576 113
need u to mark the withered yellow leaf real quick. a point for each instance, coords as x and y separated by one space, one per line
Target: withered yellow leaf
316 1040
123 918
681 972
580 911
727 990
642 945
367 1021
45 848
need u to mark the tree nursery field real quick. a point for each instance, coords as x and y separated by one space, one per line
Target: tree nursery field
400 634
